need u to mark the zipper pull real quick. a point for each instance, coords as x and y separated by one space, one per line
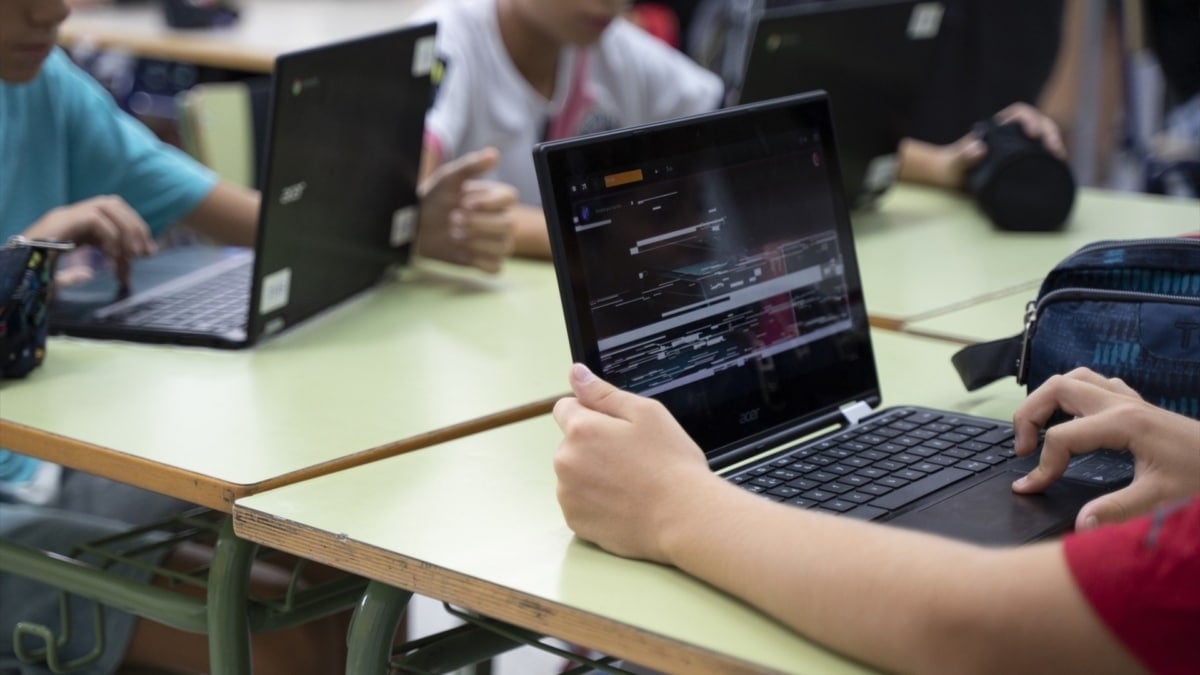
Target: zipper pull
18 240
1030 323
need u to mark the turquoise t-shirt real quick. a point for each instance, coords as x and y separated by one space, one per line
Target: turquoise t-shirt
63 139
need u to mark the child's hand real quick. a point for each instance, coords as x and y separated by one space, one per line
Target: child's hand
1109 414
947 165
626 469
107 222
466 220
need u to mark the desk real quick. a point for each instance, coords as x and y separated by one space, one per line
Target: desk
499 545
925 252
440 354
437 355
265 29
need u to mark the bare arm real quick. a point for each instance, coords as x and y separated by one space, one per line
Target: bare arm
228 214
947 165
631 481
531 237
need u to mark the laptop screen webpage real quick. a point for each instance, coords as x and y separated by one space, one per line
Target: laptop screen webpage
708 263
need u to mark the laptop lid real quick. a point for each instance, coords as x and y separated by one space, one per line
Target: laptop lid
339 202
708 262
339 189
872 58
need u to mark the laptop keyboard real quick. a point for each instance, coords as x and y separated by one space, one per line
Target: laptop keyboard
216 304
890 461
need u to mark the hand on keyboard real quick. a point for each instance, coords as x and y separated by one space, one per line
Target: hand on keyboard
1108 414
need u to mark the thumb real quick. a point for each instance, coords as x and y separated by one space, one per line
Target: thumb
1116 506
600 395
457 171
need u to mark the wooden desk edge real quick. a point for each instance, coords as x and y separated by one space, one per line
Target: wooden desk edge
521 609
206 491
180 48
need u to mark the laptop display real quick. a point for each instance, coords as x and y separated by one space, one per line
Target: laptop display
338 206
709 263
872 58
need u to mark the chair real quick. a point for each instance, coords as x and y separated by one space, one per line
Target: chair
216 126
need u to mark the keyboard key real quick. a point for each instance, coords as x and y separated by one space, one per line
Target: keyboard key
801 502
818 495
837 487
803 483
785 491
998 435
858 497
839 505
892 481
972 466
875 489
916 490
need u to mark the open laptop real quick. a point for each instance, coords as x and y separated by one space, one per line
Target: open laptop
338 209
872 58
708 262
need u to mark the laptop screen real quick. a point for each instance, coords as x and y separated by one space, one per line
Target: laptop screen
708 263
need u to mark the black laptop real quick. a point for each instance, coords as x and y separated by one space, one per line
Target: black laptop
872 57
338 208
709 263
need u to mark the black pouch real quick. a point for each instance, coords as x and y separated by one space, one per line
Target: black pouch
1127 309
26 274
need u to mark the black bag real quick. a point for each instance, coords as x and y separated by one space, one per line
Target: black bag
26 273
1127 309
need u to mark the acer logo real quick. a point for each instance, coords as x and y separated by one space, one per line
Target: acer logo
748 416
292 193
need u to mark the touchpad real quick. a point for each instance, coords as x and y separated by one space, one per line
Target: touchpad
991 513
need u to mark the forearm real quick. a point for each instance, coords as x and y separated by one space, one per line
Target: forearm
928 164
897 599
228 214
531 237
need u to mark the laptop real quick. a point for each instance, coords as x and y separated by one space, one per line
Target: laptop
338 209
872 58
708 262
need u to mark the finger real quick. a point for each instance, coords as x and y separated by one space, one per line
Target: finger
1138 498
482 195
1114 384
1076 437
564 409
492 264
457 171
134 232
972 151
1071 395
601 396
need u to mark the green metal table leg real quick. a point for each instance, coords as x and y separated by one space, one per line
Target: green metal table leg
373 629
228 590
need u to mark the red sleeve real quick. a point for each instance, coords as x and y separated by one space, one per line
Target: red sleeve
1142 578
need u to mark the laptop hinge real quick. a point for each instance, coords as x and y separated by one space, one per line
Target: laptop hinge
855 412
